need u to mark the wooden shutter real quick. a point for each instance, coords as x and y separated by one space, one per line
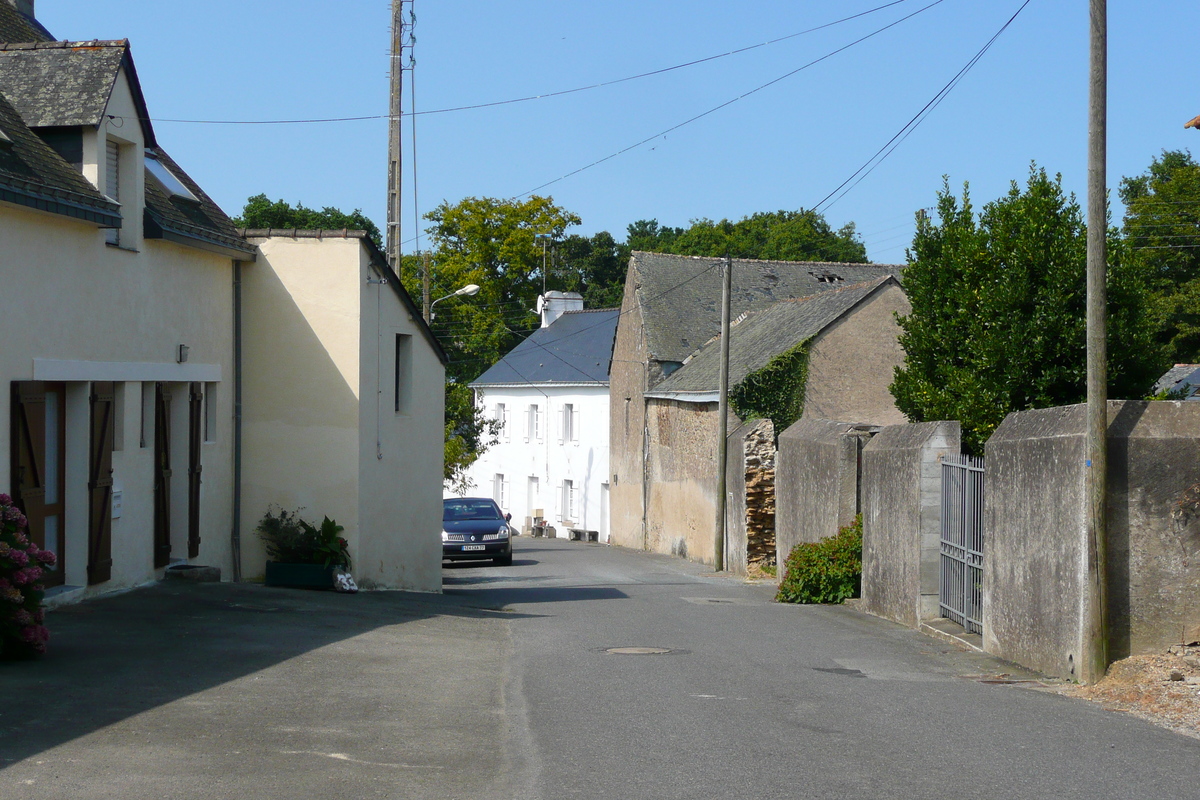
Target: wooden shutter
195 441
562 423
28 454
100 450
162 476
575 424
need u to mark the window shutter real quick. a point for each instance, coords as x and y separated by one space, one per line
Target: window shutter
559 512
562 423
29 454
528 422
100 450
507 429
574 511
575 424
195 432
162 475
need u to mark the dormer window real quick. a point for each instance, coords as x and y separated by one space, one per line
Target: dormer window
171 185
824 276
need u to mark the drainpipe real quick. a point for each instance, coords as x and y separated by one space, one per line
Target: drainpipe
235 537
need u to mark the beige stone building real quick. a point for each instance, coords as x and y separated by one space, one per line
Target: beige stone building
665 369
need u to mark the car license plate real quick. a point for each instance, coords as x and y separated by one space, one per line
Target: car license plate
473 547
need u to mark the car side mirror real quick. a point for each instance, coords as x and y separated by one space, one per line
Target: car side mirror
508 517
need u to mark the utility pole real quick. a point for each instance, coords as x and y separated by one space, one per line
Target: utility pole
1095 661
425 288
396 84
722 415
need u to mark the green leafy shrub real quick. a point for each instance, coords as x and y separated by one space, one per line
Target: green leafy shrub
292 540
828 571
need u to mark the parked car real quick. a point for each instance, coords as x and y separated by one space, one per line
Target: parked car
475 529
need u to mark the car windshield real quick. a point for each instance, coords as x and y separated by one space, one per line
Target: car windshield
456 510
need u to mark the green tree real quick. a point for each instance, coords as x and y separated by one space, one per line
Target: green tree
594 266
1162 226
491 243
778 236
999 307
261 212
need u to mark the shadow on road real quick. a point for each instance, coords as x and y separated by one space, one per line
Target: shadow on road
115 657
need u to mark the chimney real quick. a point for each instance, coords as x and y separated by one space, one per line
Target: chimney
24 6
553 304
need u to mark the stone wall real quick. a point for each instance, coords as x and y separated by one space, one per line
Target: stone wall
681 481
901 476
816 481
626 423
750 496
1035 567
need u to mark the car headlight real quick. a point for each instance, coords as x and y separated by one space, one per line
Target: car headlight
500 534
445 536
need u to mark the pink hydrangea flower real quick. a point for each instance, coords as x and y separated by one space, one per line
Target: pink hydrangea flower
23 617
47 558
5 500
4 548
18 557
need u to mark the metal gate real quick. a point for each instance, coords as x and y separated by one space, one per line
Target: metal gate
961 586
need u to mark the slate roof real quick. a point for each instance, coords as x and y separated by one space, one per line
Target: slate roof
16 27
33 175
764 334
680 296
68 84
1181 378
575 348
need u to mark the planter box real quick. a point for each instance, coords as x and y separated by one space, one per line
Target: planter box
301 576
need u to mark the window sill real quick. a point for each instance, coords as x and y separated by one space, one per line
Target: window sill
120 247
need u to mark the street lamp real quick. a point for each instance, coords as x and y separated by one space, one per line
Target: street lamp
469 289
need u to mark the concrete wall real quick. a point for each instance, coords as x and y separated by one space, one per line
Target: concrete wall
816 481
901 489
1036 562
317 435
681 478
850 363
627 419
535 464
78 310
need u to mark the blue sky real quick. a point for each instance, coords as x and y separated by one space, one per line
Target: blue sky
784 147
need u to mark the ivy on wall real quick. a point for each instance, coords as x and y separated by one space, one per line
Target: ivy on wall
776 391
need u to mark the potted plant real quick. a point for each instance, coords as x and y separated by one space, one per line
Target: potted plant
22 633
301 554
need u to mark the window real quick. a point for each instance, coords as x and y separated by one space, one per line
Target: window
501 417
567 503
568 425
500 490
167 181
533 428
402 376
112 184
210 412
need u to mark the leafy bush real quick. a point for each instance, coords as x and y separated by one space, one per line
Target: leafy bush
292 540
828 571
21 591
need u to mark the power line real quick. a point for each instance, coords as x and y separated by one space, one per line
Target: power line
730 102
541 96
912 124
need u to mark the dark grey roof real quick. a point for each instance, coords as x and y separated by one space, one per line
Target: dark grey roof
16 27
575 348
764 334
68 84
33 175
199 223
1182 378
377 258
680 296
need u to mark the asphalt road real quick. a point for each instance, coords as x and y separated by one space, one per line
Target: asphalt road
762 700
506 687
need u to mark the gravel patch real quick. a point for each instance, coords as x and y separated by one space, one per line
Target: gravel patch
1162 688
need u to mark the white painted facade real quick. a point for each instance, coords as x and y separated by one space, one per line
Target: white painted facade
551 455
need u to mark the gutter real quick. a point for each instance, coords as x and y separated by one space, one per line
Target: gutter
235 536
685 397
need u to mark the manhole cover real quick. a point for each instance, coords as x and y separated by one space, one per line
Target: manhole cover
638 651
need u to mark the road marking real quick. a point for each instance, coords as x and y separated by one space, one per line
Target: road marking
352 760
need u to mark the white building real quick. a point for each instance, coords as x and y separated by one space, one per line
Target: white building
550 395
